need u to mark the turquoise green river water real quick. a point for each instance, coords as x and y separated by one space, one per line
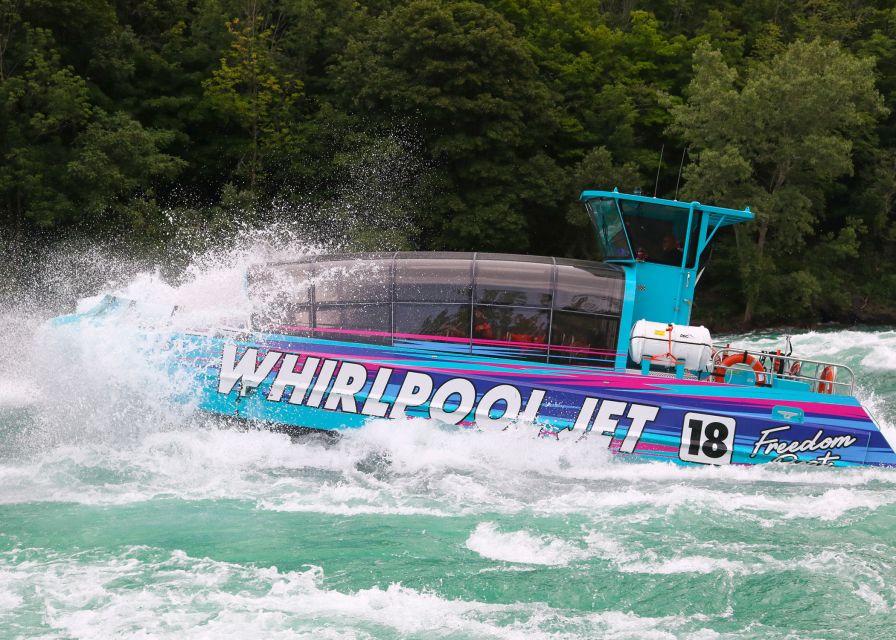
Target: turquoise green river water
122 517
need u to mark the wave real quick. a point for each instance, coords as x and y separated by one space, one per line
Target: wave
206 598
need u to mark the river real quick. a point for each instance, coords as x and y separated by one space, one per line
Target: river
121 517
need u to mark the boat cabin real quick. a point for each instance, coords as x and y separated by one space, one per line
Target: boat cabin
531 308
523 307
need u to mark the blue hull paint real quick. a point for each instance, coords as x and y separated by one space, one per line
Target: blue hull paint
835 430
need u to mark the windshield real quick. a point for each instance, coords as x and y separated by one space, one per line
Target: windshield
610 230
658 233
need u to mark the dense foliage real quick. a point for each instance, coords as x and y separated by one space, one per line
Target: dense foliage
466 125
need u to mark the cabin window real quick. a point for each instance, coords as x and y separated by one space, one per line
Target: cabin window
510 324
370 323
283 317
583 339
450 321
497 305
512 332
357 280
589 288
512 282
434 278
610 230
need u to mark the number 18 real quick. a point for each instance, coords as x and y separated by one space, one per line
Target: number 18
707 439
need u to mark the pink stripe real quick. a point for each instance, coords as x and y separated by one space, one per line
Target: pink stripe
476 341
643 446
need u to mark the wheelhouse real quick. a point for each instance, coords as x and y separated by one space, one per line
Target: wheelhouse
524 307
660 244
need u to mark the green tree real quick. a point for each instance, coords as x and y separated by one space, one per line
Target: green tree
252 89
456 73
778 141
64 159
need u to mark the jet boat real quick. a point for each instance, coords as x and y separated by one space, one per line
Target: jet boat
597 351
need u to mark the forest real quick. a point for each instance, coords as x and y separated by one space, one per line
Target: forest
461 125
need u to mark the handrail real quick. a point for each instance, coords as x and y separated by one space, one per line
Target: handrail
779 366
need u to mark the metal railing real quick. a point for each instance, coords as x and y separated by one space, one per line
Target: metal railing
769 367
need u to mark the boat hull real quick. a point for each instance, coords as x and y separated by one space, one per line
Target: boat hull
333 385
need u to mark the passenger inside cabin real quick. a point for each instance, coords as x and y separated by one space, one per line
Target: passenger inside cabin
671 253
482 328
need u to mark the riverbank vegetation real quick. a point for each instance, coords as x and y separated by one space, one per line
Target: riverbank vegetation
465 126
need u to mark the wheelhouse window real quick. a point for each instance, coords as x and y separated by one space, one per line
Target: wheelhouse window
610 230
657 232
695 233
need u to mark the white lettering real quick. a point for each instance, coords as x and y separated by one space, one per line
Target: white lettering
350 380
245 371
503 392
533 404
287 377
786 450
454 387
765 441
608 416
323 381
583 420
414 391
640 415
374 406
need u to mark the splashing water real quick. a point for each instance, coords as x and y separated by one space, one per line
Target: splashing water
124 516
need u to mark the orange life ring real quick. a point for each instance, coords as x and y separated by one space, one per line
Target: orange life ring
795 369
826 384
718 375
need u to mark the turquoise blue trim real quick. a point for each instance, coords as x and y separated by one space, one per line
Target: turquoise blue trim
729 216
627 319
704 239
687 238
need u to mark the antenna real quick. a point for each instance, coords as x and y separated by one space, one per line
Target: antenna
656 185
680 166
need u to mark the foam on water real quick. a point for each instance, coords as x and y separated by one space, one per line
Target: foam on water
222 600
521 546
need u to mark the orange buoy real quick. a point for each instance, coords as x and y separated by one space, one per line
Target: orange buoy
826 384
718 375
